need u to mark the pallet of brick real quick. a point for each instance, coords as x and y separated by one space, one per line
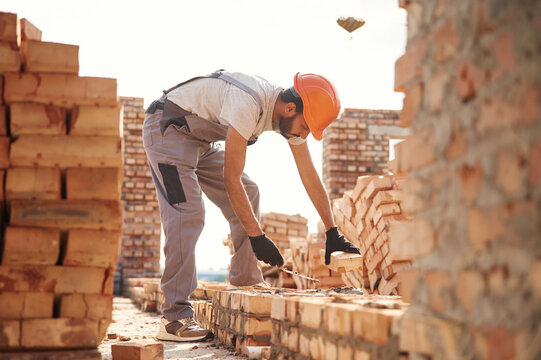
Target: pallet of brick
61 242
364 215
283 229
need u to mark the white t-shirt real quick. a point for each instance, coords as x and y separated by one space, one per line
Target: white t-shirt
222 102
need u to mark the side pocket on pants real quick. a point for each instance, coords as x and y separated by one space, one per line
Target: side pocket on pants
171 181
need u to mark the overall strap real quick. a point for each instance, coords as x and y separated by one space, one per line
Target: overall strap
220 75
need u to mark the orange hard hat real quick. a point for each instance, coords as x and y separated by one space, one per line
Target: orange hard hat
321 104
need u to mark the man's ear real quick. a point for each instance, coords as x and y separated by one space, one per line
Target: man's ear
290 108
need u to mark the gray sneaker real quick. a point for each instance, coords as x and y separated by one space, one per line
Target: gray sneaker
181 330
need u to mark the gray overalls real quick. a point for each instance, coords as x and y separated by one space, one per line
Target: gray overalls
185 161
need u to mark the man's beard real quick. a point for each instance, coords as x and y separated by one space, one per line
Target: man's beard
285 125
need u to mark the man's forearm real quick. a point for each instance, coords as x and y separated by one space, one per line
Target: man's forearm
242 207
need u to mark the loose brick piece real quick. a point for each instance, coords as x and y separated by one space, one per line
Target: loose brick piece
92 248
10 60
25 305
96 120
66 151
33 183
41 56
67 214
59 89
93 183
29 31
31 246
39 119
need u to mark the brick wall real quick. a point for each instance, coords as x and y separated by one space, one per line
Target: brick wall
472 79
357 144
140 253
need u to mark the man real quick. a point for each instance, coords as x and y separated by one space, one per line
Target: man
179 135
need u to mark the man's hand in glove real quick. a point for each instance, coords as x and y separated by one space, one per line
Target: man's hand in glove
265 250
336 242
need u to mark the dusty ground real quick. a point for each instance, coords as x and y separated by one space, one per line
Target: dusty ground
130 323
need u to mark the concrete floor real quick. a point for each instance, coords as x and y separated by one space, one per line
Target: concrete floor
131 323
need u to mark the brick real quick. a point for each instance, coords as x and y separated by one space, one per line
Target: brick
502 49
26 305
33 183
535 278
10 330
376 184
311 313
39 119
59 89
374 325
257 303
293 339
278 308
56 279
411 239
409 66
29 31
439 284
41 56
458 142
253 326
93 183
96 120
469 286
534 166
338 318
469 79
416 151
84 214
97 248
331 350
31 246
4 152
66 151
361 355
387 197
343 262
139 350
58 333
445 41
408 279
88 306
9 27
508 172
412 102
10 60
415 19
3 118
435 90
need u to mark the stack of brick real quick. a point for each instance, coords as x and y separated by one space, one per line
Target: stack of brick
366 215
357 144
297 324
62 193
472 85
140 252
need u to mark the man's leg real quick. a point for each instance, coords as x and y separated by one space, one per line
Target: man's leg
244 269
173 159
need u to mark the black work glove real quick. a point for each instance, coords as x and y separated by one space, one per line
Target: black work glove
265 250
336 242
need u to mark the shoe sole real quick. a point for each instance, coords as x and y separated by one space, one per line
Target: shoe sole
170 337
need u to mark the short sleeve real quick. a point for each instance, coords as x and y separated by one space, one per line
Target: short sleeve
240 110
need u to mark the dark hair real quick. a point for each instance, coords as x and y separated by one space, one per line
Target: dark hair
290 95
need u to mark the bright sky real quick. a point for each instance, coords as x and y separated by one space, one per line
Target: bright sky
152 45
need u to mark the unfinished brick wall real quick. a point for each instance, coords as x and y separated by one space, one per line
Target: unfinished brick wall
472 79
357 144
140 253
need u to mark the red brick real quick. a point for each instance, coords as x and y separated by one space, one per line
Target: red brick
469 79
409 65
30 118
31 246
41 56
497 343
445 41
59 89
438 283
458 142
407 282
506 63
139 350
435 90
29 31
469 285
416 151
10 60
415 19
508 172
534 164
535 278
25 305
412 102
410 239
374 325
471 178
9 27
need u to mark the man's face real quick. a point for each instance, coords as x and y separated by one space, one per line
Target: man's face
294 126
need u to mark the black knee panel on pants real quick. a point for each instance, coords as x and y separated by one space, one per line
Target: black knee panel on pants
172 184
